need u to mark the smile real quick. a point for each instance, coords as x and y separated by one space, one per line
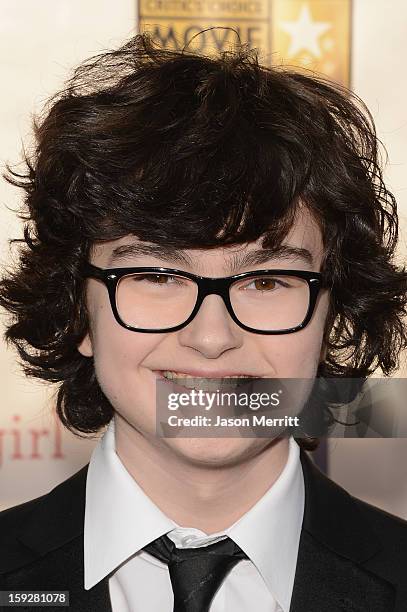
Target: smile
206 383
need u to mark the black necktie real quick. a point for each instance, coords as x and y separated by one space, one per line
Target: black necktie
196 573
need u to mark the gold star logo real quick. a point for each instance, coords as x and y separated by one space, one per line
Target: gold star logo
305 33
312 34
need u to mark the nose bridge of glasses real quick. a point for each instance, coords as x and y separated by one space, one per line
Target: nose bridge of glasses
215 286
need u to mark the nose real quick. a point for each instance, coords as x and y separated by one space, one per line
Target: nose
212 331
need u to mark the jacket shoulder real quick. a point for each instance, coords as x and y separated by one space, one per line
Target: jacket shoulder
31 529
389 527
12 518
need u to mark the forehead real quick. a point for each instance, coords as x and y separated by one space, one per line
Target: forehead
303 244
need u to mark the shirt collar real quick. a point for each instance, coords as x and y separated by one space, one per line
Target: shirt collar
116 506
269 533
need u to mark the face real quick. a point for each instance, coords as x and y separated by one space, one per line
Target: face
128 363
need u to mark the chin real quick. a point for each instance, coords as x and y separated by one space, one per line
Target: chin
216 452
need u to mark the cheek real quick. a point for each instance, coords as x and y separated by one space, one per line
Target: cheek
297 355
113 345
118 357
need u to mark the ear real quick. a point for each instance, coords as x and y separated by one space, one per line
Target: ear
322 355
85 347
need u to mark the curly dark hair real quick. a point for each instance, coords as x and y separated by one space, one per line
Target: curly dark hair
192 151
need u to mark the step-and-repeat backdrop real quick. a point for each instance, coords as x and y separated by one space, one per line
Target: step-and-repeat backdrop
361 44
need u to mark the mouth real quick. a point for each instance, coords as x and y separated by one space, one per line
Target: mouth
209 382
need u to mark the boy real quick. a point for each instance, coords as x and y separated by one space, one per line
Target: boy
172 200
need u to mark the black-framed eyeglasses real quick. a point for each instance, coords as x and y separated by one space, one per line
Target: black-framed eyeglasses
153 299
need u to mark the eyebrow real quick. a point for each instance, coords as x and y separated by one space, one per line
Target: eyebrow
259 256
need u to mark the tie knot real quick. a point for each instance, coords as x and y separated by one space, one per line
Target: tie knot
196 573
164 549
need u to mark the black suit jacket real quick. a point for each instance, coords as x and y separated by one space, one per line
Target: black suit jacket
352 556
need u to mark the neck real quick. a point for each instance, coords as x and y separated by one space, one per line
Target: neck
198 494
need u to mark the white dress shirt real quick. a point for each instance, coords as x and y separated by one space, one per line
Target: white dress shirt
120 519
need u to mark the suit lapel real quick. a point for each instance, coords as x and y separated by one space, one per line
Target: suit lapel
62 570
335 543
60 560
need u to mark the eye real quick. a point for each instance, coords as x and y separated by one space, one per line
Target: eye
266 283
158 279
152 278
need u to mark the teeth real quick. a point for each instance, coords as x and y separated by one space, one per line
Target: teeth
170 374
196 382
